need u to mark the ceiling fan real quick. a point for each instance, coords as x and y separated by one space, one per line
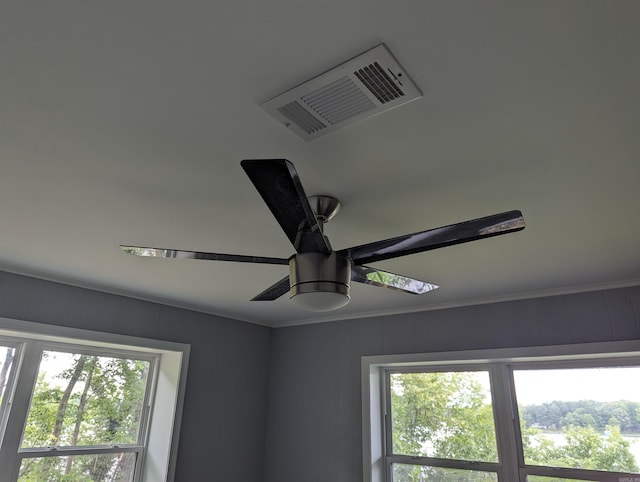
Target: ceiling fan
319 277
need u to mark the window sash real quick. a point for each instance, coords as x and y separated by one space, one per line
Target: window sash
445 463
565 472
505 409
391 457
78 450
42 454
74 348
22 382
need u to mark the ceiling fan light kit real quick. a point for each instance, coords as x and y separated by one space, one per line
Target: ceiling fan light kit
319 278
320 282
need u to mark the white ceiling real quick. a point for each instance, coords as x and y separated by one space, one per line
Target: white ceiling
125 122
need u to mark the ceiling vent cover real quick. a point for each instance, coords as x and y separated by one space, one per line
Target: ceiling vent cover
360 88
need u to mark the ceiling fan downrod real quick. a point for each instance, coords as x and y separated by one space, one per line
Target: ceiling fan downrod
324 207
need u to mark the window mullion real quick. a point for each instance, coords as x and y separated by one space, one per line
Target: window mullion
505 417
149 397
387 423
27 371
143 434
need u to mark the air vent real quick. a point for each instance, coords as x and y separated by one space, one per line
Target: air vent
360 88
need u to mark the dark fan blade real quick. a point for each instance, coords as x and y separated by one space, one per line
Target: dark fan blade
437 238
377 277
274 292
279 185
174 253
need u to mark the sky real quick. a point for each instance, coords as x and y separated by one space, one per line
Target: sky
600 384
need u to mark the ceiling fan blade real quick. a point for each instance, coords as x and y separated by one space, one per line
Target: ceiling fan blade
377 277
279 185
175 253
486 227
274 291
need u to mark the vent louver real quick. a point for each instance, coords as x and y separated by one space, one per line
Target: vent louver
360 88
301 117
379 83
338 101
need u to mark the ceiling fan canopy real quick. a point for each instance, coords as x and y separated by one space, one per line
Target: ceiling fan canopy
319 278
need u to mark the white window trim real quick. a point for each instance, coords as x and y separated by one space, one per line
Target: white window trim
159 459
373 396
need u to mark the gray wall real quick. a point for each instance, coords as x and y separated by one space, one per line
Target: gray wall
314 421
307 376
223 425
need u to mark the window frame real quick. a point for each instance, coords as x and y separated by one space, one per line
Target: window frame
376 422
64 450
17 346
157 440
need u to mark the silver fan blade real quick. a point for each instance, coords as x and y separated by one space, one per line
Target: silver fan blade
274 291
377 277
464 232
175 253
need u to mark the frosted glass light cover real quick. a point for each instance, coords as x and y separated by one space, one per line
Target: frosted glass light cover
320 300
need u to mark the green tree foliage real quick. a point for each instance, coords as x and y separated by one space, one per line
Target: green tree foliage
95 401
443 415
434 413
584 448
556 415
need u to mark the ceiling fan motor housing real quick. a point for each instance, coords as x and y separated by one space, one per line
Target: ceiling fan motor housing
317 276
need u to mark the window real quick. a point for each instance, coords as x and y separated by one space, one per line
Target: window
555 414
87 417
96 408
